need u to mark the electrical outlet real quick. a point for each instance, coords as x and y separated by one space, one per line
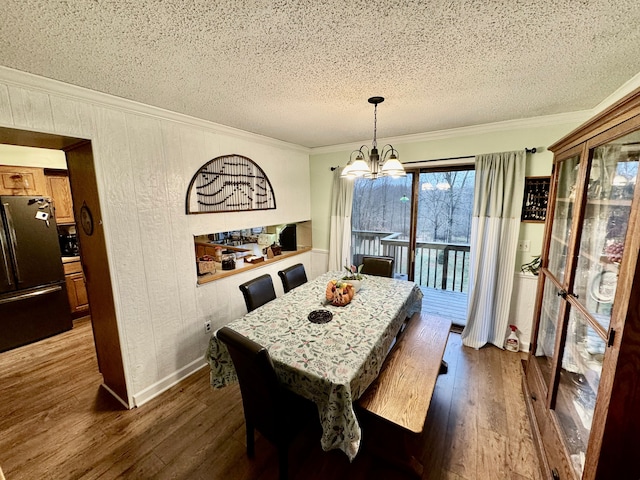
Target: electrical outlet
524 245
207 326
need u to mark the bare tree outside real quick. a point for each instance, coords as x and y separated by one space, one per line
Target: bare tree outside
446 200
383 205
381 225
378 205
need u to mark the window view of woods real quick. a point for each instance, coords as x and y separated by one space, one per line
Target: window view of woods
381 225
446 200
382 205
446 204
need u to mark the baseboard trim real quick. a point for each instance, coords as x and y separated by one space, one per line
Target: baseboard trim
116 396
167 382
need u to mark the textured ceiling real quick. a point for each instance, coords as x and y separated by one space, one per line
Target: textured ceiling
301 71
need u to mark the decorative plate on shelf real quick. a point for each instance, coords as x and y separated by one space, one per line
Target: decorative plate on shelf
603 286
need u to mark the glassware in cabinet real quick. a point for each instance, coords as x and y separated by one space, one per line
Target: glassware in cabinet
547 330
578 385
563 216
612 179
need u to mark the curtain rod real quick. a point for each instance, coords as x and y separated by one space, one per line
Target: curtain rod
528 150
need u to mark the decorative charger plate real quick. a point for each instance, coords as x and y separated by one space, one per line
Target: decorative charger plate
320 316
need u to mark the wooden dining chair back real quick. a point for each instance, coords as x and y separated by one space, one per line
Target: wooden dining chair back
258 291
292 277
378 266
268 407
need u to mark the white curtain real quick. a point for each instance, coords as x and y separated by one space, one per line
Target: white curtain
497 206
340 227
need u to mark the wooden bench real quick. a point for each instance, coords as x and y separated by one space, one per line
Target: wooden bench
394 407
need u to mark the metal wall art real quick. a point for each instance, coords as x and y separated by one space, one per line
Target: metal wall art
230 183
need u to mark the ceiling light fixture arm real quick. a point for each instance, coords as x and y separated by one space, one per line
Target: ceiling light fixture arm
389 152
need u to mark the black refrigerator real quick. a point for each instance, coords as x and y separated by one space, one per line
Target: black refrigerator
33 296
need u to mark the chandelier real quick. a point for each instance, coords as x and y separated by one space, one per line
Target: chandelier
381 164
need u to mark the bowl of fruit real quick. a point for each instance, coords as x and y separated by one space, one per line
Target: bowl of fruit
339 293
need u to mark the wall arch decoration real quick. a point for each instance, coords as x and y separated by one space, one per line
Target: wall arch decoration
229 183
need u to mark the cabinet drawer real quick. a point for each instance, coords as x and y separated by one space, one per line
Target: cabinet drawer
537 395
72 267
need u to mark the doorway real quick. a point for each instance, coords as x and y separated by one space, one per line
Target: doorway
381 221
423 221
444 208
86 203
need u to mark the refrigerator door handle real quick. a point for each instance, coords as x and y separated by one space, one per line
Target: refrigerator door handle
5 262
12 241
35 293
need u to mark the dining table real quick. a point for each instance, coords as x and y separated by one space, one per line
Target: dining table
329 358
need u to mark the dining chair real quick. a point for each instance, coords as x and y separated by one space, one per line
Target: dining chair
276 412
258 291
293 277
378 266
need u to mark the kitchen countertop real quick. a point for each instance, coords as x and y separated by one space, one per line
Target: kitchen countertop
242 266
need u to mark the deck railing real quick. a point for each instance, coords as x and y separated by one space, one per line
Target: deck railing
438 265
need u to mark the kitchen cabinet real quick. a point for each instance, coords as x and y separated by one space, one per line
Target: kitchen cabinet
17 180
60 192
582 376
76 288
202 250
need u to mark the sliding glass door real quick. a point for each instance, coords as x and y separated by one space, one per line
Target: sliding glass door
381 220
423 220
443 237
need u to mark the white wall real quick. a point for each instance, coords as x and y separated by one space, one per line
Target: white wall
523 299
145 158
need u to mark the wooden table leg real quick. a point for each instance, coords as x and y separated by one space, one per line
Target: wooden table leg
444 368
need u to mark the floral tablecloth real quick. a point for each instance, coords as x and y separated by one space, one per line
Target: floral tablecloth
331 363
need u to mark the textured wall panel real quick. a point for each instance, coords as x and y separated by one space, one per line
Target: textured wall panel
115 169
6 117
151 200
181 147
72 118
31 110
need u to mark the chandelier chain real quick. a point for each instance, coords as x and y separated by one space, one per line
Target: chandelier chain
375 125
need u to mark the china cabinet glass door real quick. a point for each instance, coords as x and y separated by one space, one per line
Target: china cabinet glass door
578 385
609 193
548 327
579 295
612 181
565 207
554 274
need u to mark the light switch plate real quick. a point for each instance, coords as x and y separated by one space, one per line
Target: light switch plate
524 245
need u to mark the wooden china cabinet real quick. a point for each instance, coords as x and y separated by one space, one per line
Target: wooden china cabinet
582 376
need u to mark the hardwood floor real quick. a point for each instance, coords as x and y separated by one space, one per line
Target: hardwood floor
57 423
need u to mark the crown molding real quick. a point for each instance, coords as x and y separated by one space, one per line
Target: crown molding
49 86
532 122
629 86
